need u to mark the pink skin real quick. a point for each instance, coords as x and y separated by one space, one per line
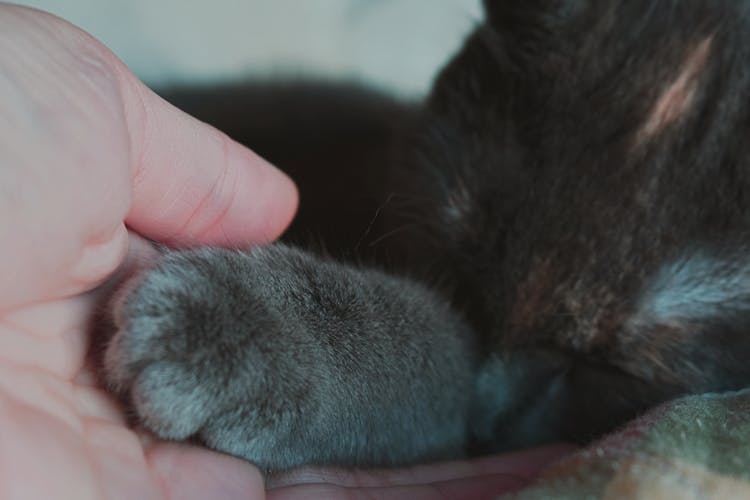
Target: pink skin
89 157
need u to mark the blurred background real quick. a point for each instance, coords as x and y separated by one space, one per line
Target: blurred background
394 45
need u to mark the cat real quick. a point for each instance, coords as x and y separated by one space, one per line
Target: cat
553 242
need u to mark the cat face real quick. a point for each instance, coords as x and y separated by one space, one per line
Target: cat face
589 165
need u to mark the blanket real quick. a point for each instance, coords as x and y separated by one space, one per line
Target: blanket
697 447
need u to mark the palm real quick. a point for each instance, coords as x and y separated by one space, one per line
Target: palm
66 436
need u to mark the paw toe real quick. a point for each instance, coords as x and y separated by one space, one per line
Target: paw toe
170 401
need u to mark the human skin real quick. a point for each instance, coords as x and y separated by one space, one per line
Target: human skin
89 159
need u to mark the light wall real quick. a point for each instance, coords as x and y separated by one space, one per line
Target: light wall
396 44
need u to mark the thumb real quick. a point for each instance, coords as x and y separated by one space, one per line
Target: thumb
193 184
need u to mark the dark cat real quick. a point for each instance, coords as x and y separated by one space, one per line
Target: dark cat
569 212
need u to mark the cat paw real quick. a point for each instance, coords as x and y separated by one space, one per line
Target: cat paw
282 358
186 345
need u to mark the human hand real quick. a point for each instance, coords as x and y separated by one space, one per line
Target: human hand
89 157
86 151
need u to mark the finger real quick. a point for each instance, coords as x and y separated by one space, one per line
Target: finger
522 465
189 473
480 487
192 184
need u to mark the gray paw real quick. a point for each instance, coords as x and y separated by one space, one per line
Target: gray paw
181 351
282 358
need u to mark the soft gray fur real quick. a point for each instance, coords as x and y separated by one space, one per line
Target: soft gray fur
284 358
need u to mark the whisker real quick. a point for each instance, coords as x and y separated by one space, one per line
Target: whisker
393 232
372 221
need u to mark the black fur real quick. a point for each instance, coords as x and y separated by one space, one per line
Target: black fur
574 193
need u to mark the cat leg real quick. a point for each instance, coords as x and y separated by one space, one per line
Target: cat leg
285 358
